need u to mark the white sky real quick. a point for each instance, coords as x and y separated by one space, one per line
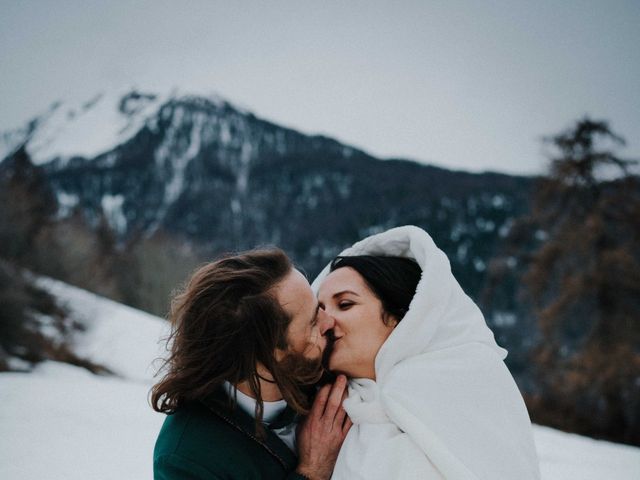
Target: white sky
465 84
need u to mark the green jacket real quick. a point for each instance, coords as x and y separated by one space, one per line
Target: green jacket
209 441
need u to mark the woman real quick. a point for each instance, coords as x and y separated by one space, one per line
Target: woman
430 396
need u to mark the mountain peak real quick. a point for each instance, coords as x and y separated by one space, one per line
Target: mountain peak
87 127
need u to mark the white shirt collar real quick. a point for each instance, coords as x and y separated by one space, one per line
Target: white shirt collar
248 404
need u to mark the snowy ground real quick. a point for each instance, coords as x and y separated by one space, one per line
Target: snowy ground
61 422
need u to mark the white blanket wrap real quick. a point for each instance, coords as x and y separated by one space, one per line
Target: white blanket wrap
443 405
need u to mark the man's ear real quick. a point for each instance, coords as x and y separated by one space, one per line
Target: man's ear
279 354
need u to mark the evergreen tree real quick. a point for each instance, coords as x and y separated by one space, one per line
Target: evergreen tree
584 282
27 205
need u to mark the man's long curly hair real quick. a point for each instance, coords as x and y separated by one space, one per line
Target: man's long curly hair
224 323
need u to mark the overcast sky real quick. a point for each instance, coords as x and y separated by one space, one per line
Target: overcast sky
464 84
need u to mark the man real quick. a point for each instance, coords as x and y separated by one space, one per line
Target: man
246 346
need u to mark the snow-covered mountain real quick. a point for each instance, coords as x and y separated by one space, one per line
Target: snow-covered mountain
212 175
83 129
140 157
61 422
208 171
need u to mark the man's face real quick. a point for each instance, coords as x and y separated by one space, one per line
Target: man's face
297 299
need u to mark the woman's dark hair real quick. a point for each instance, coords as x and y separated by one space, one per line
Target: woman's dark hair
392 279
226 321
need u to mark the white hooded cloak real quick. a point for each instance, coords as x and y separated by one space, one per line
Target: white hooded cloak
443 405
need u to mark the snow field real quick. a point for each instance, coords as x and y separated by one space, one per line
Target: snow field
61 422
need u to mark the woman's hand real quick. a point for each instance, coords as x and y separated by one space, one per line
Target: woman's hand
321 434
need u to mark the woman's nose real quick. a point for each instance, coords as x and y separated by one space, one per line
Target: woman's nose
325 321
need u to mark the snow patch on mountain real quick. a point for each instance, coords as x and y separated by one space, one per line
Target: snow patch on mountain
90 127
173 155
66 203
112 208
179 162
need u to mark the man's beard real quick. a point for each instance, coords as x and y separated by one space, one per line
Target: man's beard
328 376
305 371
296 378
301 370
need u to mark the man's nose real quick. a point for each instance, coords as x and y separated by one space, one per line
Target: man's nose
325 321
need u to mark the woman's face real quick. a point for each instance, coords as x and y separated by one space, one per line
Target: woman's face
357 318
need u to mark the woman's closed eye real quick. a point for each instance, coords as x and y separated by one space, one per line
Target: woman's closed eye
344 305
